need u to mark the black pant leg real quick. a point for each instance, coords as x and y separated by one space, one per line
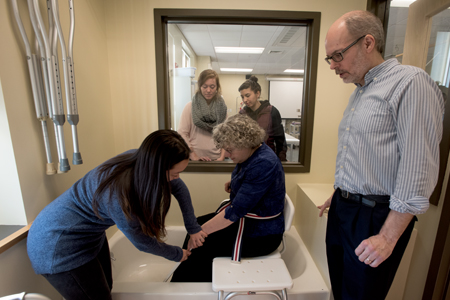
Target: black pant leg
349 223
198 266
91 281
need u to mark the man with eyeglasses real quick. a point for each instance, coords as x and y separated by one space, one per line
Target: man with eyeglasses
387 162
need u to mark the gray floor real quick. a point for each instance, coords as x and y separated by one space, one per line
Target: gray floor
6 230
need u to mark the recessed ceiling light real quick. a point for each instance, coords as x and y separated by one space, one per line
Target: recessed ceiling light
247 50
235 70
294 71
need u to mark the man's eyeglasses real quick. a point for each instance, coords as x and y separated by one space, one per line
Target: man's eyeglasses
338 56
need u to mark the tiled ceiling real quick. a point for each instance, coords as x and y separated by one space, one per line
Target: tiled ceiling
284 46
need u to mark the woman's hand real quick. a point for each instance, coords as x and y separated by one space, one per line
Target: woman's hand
222 155
193 156
204 158
186 254
197 240
228 187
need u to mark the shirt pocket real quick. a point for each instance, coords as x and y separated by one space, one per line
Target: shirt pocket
373 116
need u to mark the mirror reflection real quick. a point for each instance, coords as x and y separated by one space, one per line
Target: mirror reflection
271 56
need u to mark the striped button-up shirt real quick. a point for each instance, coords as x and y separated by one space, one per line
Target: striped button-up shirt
389 137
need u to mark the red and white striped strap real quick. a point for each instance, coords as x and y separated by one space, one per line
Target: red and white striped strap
236 257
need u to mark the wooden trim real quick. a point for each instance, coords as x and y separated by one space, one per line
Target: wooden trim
415 53
380 8
418 28
417 39
14 238
435 269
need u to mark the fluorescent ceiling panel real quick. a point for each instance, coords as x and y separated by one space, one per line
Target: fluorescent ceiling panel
294 71
247 50
235 70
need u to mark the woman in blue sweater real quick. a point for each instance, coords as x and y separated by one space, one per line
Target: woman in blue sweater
67 242
257 191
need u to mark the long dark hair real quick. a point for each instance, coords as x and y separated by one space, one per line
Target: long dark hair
140 180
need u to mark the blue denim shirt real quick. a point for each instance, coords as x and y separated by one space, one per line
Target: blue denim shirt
258 186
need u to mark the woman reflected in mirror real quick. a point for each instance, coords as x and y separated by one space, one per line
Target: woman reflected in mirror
267 116
206 110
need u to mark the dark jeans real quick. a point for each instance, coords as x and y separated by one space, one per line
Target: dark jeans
349 223
198 267
92 280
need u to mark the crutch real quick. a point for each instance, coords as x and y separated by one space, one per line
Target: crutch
37 88
44 66
69 76
53 75
53 40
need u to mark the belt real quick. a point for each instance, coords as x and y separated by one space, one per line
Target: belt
367 200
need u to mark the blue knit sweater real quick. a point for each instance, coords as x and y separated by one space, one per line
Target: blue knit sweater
67 233
258 186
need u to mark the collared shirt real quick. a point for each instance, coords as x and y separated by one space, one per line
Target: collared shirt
389 137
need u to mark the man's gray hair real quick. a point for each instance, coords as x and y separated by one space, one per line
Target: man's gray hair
239 131
362 22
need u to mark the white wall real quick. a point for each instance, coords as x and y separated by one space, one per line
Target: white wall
12 211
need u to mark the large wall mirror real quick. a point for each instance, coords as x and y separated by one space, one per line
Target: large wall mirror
188 41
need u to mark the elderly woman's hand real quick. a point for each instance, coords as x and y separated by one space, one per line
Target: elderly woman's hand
197 240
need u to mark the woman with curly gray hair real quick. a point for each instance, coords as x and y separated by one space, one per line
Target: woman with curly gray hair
257 191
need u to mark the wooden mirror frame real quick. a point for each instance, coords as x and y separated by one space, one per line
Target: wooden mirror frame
243 17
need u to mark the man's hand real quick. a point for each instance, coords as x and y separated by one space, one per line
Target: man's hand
374 250
325 205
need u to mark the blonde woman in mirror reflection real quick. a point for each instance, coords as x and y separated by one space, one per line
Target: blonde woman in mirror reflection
67 243
267 116
257 189
206 110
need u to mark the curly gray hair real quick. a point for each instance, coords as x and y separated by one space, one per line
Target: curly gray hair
238 131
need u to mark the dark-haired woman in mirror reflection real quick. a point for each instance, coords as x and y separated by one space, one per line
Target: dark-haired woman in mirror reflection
206 110
267 116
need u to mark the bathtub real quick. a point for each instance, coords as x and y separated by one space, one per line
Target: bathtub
140 276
